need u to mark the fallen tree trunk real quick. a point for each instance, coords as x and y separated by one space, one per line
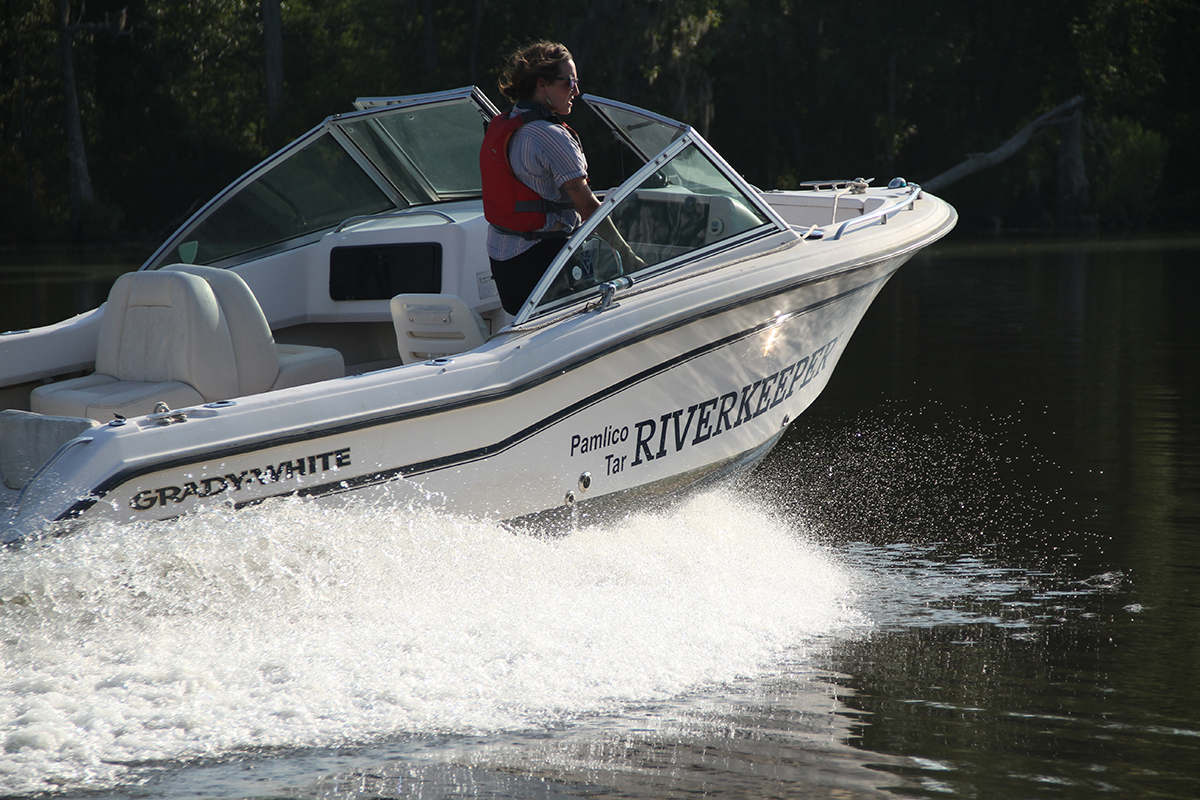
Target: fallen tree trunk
977 162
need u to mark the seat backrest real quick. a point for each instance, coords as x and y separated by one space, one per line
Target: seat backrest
433 325
167 326
253 344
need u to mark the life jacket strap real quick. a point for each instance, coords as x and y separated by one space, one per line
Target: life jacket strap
543 206
535 235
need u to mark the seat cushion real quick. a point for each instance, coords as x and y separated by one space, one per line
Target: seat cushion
262 364
432 325
301 364
167 326
253 344
102 397
163 338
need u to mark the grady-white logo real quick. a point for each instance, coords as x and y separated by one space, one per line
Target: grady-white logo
213 485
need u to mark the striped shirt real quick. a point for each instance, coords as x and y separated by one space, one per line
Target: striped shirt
543 156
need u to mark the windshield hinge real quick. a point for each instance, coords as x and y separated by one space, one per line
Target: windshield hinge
609 290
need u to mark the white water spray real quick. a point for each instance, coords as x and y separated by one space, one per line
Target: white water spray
292 625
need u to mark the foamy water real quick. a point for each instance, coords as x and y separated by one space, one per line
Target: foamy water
295 626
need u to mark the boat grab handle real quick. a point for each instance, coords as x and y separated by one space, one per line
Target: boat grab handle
881 214
390 215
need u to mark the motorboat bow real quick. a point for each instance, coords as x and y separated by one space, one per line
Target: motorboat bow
327 326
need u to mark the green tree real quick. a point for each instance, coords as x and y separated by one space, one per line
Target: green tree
786 89
32 130
272 22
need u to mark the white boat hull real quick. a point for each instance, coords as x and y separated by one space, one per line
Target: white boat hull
653 411
601 388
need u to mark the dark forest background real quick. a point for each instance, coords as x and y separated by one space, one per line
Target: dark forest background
120 117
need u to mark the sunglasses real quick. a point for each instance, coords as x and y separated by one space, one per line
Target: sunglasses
573 81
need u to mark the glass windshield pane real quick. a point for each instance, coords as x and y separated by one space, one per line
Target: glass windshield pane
648 135
429 152
316 188
685 206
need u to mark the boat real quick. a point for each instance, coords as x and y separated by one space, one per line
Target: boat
327 327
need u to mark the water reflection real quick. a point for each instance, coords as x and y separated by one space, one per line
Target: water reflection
41 287
998 498
1040 608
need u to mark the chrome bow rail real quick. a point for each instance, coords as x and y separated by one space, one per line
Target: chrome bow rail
881 214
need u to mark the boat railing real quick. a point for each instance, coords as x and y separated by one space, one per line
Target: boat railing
881 214
416 212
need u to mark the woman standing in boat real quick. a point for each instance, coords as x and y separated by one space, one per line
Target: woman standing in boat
535 184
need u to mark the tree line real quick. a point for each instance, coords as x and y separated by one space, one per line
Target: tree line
119 117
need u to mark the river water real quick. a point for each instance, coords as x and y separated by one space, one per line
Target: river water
971 570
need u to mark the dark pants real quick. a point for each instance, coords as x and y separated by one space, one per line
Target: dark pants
516 277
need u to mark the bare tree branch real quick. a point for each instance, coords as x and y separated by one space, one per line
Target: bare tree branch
975 163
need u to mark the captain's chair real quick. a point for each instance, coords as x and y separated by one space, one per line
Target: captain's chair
263 364
435 325
169 336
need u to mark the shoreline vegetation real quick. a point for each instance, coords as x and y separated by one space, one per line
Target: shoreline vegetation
120 119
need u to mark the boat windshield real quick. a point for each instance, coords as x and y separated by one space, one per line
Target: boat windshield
397 152
315 188
682 206
429 152
644 132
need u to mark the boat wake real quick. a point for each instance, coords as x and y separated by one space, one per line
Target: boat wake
293 625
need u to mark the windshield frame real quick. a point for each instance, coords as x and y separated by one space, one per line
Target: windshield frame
603 108
334 127
772 224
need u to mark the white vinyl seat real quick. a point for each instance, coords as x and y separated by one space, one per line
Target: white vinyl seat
162 338
180 338
434 325
264 364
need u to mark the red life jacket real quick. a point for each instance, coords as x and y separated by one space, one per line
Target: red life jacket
509 204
